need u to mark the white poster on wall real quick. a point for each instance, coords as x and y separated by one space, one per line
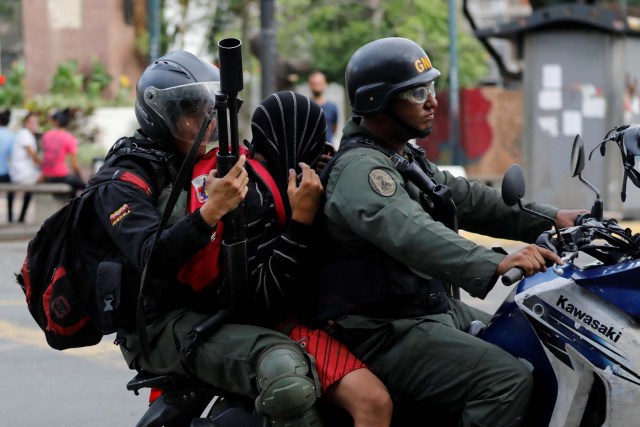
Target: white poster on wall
552 76
571 123
595 107
550 99
549 124
64 14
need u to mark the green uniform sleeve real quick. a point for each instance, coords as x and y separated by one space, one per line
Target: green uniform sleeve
368 204
481 210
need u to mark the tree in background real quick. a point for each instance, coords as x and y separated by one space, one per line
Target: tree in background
322 34
329 31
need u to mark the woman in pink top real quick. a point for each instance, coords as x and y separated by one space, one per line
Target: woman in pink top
58 144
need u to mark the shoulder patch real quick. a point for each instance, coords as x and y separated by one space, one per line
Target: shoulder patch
382 182
119 214
199 183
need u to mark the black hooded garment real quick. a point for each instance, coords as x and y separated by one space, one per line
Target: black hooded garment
287 128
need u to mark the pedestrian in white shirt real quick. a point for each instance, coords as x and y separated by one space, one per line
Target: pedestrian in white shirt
6 144
24 164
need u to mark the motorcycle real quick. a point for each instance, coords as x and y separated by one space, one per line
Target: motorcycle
575 326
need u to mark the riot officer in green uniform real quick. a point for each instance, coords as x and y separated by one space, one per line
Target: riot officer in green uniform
392 217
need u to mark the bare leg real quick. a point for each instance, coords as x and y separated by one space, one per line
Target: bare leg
364 396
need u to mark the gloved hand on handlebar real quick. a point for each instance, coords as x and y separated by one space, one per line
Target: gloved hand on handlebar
531 259
567 217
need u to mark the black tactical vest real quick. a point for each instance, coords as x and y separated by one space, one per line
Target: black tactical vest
371 282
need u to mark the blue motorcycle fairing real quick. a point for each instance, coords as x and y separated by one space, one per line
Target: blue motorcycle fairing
510 329
617 284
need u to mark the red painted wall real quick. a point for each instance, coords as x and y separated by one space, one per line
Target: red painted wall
490 126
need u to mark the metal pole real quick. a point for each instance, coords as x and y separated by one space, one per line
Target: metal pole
454 107
267 47
154 29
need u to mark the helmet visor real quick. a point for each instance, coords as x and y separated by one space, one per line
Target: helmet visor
183 108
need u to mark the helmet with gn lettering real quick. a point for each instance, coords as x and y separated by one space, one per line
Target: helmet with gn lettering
382 68
174 94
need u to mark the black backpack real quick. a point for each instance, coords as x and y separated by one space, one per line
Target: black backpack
72 275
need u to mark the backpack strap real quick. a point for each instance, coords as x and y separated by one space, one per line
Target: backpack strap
267 179
141 322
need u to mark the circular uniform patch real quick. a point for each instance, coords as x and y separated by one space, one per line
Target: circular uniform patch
382 182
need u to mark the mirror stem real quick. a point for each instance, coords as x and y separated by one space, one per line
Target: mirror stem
597 211
552 220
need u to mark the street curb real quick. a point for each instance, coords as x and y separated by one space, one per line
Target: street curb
12 232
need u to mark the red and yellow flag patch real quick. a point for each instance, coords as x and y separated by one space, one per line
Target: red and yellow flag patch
117 216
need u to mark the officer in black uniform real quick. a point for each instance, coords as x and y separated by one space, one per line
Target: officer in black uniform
173 95
395 245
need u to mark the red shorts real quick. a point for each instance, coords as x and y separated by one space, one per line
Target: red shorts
333 359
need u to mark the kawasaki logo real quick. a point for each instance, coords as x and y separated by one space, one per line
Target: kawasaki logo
608 331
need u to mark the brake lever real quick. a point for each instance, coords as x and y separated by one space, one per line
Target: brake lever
544 240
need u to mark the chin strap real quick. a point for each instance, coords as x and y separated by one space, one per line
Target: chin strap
415 132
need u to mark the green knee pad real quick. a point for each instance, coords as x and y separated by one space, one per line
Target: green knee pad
287 395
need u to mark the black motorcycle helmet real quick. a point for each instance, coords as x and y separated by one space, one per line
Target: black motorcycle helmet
176 85
383 67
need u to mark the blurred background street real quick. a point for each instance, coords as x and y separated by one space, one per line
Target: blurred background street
520 79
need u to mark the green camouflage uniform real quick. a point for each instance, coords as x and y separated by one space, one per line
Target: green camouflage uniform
430 359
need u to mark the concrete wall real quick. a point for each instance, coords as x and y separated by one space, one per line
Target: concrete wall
56 31
113 123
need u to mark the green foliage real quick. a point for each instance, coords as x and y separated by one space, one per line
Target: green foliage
336 28
8 8
336 32
67 80
81 93
323 34
98 80
12 91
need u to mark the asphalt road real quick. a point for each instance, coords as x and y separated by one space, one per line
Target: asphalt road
77 387
41 386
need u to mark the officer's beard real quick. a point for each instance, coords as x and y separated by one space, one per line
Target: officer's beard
424 132
413 132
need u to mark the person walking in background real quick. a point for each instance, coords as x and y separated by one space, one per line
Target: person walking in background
58 144
317 85
6 143
24 163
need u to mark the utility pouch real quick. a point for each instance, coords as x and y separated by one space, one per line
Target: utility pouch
108 295
413 295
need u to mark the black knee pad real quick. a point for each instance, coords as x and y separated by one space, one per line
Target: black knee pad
287 391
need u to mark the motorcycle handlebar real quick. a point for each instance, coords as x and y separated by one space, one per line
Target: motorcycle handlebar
512 276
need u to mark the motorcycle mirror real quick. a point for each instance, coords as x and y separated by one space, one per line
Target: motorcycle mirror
577 156
577 166
513 185
603 151
513 192
631 140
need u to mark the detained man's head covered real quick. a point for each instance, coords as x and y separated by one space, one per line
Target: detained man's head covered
288 128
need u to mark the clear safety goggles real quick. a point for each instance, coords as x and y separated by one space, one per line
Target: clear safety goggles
420 94
183 108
